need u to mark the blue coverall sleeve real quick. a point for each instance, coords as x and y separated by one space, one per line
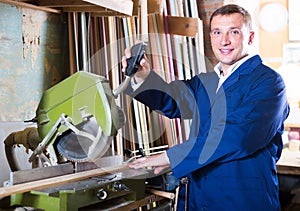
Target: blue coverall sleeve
174 100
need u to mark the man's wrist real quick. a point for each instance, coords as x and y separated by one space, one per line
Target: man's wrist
134 83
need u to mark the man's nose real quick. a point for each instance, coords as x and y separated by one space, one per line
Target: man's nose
225 40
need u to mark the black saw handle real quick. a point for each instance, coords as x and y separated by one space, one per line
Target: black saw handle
133 63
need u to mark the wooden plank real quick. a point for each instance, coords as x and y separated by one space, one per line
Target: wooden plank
71 27
122 6
93 9
183 26
18 177
156 6
144 20
112 7
78 6
30 6
55 181
60 3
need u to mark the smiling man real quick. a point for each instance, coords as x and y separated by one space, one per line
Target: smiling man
230 36
237 111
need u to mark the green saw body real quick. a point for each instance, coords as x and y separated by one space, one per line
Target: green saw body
80 97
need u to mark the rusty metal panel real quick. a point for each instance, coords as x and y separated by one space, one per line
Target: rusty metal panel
31 59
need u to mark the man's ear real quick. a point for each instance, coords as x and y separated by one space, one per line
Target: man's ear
251 38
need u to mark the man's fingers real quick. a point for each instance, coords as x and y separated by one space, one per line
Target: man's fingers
127 53
138 163
159 169
124 63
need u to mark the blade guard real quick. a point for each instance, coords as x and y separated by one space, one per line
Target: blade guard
81 96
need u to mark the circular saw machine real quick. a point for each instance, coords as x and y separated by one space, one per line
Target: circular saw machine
77 119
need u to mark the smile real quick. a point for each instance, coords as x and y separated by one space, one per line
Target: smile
226 51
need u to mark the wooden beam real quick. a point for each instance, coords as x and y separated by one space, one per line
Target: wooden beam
30 6
121 6
55 181
65 3
112 7
94 9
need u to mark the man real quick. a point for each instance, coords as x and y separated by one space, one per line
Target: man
238 111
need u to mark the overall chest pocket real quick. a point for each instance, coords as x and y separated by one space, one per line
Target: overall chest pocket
237 108
233 101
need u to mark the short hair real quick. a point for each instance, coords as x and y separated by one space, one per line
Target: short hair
231 9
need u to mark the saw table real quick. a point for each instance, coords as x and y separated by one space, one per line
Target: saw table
123 188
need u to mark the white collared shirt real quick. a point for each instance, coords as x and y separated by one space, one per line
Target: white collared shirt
230 70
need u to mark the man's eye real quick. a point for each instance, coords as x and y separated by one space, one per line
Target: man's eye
235 32
216 33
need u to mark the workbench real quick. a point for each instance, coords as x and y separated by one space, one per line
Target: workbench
289 163
288 169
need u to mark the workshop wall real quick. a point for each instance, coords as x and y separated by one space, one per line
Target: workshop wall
273 55
31 58
33 46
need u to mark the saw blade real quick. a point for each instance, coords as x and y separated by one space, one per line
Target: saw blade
80 146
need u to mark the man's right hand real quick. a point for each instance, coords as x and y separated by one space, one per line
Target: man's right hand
159 162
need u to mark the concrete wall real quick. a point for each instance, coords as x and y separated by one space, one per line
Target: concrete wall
32 58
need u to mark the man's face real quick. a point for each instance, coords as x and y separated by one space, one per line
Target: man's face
230 38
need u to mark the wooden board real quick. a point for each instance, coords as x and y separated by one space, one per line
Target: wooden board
55 181
122 6
18 177
183 26
30 6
